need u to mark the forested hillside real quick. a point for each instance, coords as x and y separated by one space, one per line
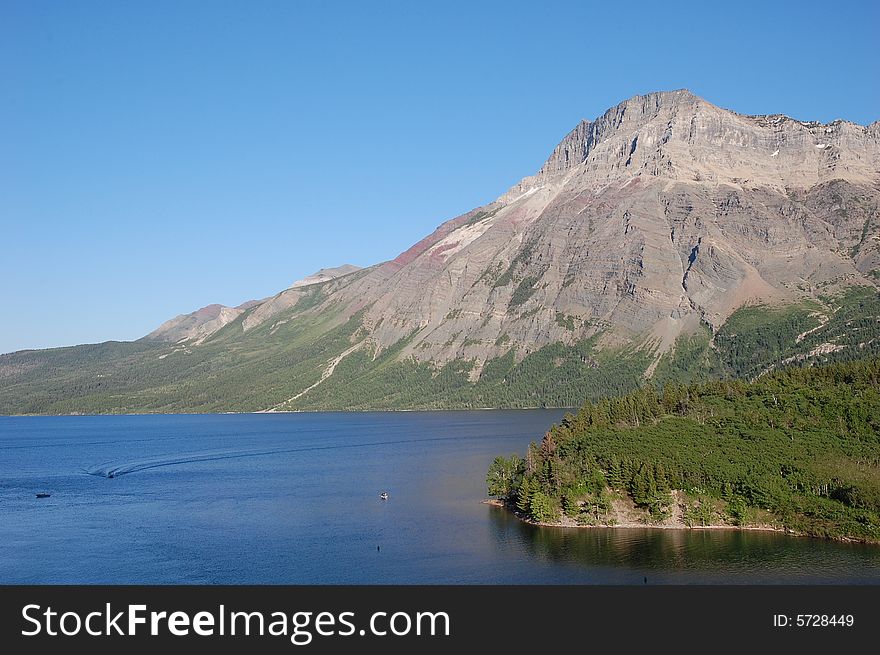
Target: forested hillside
799 448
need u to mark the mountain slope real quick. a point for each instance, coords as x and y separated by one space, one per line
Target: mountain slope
325 275
665 211
644 235
197 326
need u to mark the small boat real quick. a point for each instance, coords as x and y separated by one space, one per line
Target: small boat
43 495
384 495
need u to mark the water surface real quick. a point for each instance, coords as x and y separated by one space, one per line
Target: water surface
294 498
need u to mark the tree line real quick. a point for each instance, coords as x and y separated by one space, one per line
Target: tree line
801 445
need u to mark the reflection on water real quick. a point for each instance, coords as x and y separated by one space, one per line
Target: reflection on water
294 499
691 556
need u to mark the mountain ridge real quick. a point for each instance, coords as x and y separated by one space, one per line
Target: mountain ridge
537 194
647 227
204 322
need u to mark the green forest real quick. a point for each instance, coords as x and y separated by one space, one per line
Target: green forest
270 365
798 448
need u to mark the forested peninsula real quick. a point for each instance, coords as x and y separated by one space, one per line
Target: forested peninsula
795 450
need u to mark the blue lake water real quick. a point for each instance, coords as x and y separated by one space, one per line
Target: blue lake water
294 498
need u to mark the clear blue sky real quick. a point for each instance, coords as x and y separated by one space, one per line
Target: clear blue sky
156 156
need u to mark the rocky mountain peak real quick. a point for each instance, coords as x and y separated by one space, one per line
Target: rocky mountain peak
633 113
680 136
663 213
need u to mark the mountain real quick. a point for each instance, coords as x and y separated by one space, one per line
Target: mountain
197 326
668 239
325 275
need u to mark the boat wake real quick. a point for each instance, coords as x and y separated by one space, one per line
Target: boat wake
117 469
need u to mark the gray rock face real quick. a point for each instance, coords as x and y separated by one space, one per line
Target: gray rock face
196 326
664 212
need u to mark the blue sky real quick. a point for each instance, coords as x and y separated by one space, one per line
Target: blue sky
156 157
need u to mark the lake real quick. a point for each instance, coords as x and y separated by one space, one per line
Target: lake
294 499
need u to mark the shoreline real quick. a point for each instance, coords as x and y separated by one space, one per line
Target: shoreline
494 502
303 411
